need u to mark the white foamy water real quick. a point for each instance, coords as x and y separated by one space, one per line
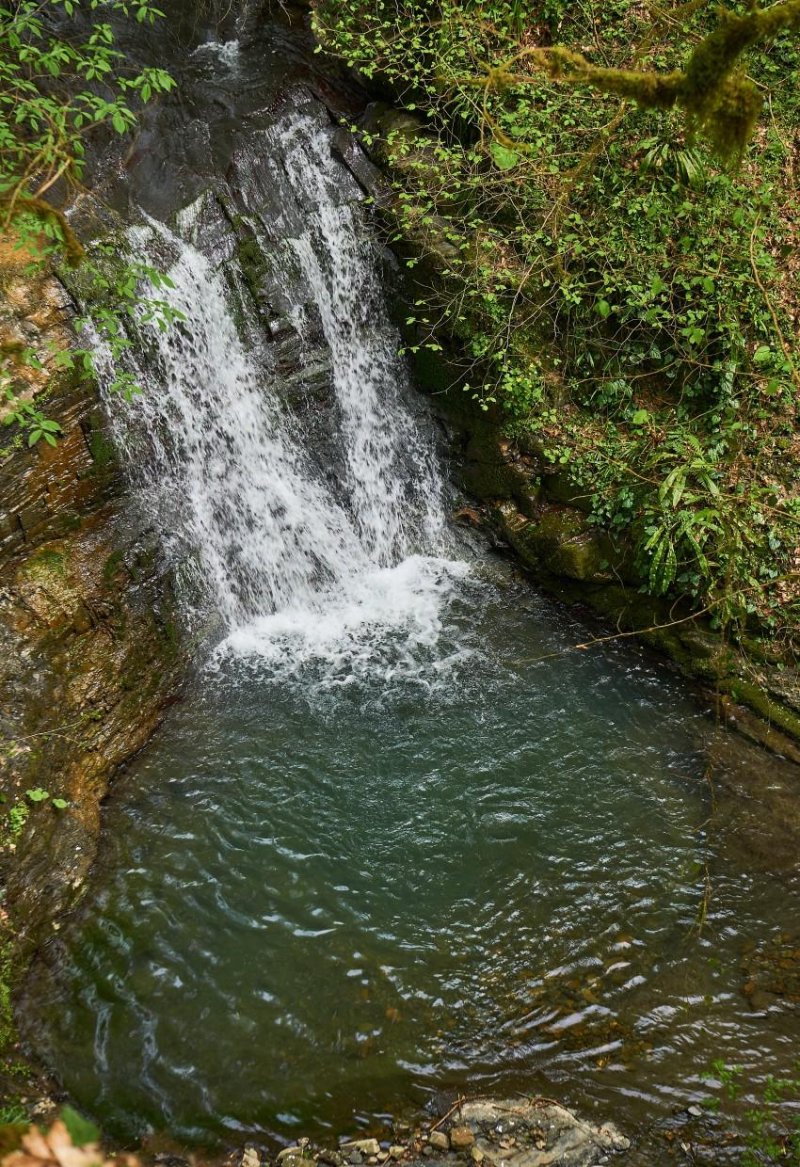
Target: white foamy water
341 268
226 52
355 577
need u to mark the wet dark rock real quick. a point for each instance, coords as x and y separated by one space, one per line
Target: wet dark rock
369 177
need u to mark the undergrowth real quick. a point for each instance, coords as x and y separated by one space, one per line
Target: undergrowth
622 299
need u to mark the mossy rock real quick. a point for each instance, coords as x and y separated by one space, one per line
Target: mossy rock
253 265
104 455
560 488
561 541
113 567
44 564
758 699
489 472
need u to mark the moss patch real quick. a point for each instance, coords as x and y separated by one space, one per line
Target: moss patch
48 562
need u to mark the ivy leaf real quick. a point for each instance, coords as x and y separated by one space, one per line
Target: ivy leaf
38 795
603 308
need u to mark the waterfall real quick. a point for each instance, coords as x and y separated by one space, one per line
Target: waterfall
301 560
382 442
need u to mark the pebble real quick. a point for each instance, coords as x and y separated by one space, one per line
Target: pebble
284 1154
461 1137
477 1155
250 1158
439 1140
397 1152
365 1146
695 1111
356 1158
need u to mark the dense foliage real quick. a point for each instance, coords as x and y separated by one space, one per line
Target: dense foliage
627 299
63 81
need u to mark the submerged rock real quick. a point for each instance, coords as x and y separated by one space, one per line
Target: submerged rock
772 973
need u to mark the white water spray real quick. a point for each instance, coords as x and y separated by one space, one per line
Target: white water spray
299 572
383 444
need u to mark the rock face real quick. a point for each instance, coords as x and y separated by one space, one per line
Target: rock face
89 648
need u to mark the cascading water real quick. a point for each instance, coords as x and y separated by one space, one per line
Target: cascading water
482 861
288 560
384 447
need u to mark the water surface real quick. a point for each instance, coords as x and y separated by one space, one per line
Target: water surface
320 900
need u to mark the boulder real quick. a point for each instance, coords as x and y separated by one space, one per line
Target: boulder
538 1133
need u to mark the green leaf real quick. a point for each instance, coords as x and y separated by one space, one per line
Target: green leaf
762 355
504 158
603 308
641 417
60 804
80 1130
38 795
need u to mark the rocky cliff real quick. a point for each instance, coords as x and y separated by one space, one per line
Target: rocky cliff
90 647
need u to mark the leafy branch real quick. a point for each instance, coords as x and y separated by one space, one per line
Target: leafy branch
716 97
56 88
